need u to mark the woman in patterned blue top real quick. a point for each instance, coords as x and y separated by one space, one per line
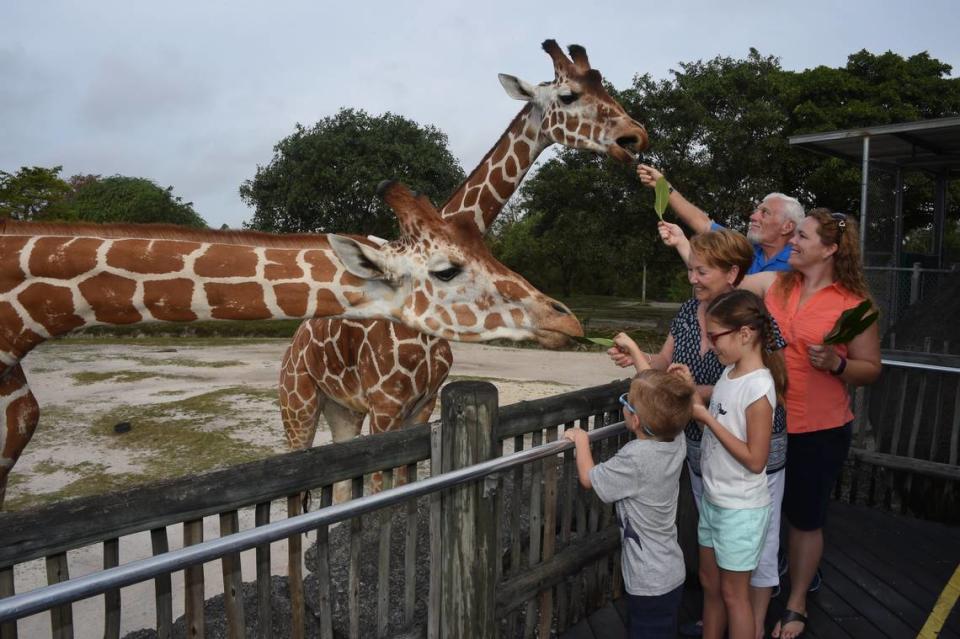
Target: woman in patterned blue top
718 262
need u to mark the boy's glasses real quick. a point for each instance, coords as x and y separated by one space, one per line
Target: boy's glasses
712 337
629 407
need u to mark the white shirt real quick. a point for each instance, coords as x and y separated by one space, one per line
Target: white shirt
726 482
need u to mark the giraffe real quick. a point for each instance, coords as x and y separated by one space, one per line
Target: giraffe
349 369
437 277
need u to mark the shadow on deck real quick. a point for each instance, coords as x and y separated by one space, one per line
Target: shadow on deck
882 575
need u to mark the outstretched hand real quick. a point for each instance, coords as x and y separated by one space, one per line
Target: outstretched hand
648 175
625 351
671 234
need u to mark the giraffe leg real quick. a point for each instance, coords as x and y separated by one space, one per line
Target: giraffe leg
345 424
19 414
300 406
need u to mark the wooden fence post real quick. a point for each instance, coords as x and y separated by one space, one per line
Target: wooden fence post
467 522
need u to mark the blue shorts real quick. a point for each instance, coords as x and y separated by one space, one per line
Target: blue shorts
735 534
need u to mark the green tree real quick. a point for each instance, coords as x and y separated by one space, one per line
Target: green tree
32 193
324 178
120 199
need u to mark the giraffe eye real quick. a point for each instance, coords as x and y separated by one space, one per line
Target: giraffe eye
447 274
570 98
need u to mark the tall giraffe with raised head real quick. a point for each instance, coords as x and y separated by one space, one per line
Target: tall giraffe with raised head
55 278
347 369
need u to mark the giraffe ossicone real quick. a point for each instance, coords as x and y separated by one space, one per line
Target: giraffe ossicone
348 369
55 278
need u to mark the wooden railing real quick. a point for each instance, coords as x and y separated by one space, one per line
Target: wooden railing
906 437
556 557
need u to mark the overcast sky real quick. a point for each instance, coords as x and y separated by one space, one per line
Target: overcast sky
195 94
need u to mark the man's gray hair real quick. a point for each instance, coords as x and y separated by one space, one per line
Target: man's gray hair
792 209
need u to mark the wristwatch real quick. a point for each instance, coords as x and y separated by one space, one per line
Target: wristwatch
842 367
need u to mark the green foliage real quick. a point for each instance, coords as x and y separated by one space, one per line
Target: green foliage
324 179
120 199
40 194
852 322
32 193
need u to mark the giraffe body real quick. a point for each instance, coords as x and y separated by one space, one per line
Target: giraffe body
574 110
61 277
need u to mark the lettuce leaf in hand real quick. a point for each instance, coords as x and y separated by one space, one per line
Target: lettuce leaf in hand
852 322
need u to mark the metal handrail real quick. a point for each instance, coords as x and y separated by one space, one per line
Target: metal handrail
926 367
40 599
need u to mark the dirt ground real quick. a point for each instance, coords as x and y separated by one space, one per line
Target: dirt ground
213 401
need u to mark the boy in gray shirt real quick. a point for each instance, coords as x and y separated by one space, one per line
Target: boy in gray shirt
643 481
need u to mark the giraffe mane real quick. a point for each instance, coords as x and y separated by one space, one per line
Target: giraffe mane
170 232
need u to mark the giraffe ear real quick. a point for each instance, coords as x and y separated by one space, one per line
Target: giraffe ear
517 88
364 261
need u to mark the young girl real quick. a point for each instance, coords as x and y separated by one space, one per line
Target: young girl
735 510
643 479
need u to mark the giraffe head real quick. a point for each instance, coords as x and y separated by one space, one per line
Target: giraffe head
576 109
440 278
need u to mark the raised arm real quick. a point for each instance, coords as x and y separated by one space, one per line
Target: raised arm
672 235
759 283
690 213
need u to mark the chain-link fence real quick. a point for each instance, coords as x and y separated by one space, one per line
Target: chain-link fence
896 290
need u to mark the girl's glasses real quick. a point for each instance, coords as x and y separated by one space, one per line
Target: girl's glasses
712 337
644 427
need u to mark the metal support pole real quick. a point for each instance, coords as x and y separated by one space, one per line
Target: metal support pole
864 191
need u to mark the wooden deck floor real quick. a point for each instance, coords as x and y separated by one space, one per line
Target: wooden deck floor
882 575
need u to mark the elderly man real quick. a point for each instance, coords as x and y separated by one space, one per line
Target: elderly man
772 224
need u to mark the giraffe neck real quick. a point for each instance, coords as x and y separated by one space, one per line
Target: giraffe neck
488 187
53 284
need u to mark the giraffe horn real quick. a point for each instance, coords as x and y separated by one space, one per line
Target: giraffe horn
560 61
579 56
408 206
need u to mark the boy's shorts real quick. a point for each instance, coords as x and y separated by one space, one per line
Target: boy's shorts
736 535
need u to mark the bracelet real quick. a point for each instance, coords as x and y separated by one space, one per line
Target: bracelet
842 367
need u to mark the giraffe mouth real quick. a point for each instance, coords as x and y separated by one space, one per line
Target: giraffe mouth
553 340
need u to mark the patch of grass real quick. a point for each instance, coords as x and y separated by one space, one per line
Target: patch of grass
187 362
169 440
124 376
92 479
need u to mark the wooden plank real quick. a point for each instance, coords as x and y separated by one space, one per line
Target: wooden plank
535 531
410 559
111 598
264 577
61 617
232 580
324 605
955 430
516 503
580 630
526 417
162 587
918 466
353 575
884 622
298 603
383 564
568 483
436 536
549 530
193 581
468 528
8 629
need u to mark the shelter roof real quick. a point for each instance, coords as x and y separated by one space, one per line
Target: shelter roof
927 145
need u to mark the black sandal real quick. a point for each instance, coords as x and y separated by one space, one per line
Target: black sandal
793 615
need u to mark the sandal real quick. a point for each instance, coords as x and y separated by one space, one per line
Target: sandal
793 615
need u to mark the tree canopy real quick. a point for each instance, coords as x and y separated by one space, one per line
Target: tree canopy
40 194
324 178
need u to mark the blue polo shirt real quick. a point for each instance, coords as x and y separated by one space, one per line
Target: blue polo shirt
760 262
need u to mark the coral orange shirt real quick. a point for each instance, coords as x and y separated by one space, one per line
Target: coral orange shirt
816 400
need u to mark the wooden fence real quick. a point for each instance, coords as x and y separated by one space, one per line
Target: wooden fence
554 553
906 438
